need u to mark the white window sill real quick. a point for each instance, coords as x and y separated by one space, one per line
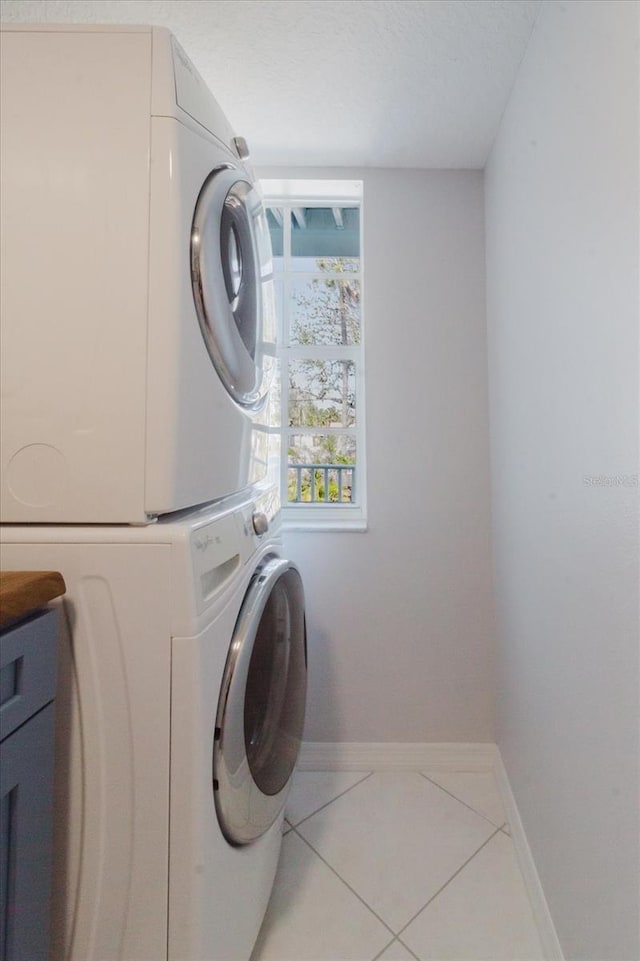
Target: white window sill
323 519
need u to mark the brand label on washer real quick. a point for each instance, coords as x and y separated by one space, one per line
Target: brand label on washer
215 553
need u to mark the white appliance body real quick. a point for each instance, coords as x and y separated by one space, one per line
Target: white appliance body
137 333
143 869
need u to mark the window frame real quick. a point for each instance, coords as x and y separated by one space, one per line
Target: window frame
287 195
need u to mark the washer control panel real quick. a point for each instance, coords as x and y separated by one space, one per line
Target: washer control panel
216 556
222 545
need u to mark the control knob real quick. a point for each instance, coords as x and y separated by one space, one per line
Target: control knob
241 148
260 522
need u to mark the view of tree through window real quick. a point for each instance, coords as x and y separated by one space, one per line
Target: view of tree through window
318 283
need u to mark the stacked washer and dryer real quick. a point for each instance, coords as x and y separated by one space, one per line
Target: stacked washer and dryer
138 346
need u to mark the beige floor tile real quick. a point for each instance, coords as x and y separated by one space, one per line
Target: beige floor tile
396 838
478 790
313 916
482 915
311 790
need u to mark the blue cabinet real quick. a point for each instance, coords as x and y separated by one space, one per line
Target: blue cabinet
27 690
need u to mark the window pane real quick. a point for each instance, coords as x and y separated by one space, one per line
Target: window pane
322 449
322 393
325 234
274 221
322 468
325 311
338 265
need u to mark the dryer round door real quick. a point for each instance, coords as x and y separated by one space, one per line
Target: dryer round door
261 710
232 280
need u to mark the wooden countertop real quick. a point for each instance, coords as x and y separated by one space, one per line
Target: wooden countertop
22 591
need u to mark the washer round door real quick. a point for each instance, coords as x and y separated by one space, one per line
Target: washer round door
232 281
261 710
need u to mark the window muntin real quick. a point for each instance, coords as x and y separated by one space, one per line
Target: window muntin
318 281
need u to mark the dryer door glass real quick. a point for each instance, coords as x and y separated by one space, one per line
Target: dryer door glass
261 710
232 280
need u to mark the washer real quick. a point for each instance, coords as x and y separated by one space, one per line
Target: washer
180 707
138 310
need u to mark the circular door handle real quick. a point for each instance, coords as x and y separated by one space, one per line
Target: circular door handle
260 522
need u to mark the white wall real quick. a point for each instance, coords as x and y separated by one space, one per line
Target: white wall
562 286
400 617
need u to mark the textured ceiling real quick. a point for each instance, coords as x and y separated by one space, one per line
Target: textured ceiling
394 83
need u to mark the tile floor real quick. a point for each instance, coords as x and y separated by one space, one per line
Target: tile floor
397 866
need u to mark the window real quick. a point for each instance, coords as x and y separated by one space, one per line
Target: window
316 230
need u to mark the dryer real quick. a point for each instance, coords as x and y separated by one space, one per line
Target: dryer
180 708
138 313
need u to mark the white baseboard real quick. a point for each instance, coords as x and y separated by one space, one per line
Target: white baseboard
382 756
544 922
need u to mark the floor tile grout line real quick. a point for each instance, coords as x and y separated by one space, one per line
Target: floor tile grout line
326 805
407 948
386 948
347 885
397 936
455 798
447 883
398 941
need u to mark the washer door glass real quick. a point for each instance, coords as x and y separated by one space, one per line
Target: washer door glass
232 280
261 711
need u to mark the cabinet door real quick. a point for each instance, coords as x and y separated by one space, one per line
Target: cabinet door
26 800
27 669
